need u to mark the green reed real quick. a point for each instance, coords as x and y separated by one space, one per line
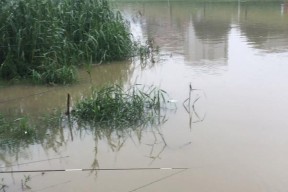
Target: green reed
117 107
44 39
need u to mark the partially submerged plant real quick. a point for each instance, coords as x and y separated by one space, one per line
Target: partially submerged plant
18 131
117 107
3 186
24 183
147 53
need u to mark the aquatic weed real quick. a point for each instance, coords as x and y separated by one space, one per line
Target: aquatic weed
117 107
16 132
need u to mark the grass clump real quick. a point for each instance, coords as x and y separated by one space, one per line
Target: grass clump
44 40
116 107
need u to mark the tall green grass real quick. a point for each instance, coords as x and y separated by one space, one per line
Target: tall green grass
44 39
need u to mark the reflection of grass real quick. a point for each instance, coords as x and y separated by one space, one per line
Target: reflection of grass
117 137
115 115
113 106
50 130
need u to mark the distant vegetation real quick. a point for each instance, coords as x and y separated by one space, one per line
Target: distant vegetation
45 40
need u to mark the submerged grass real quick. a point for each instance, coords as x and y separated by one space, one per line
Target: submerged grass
18 131
44 39
116 107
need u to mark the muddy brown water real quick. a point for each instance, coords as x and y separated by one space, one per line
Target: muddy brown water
236 54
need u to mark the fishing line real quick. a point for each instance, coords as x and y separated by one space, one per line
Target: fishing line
35 161
19 98
52 186
74 170
158 180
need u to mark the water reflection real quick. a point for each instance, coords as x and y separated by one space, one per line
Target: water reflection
54 132
59 131
246 106
46 132
207 33
265 26
284 8
204 28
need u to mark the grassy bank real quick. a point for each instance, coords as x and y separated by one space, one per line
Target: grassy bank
44 40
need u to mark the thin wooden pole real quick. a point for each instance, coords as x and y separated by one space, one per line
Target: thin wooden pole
68 104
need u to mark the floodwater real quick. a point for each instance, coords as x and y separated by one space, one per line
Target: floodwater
235 56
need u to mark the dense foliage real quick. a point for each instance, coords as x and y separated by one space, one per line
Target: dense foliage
44 40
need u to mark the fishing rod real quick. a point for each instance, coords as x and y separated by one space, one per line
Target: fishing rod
91 169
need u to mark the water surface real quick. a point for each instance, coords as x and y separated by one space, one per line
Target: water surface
235 54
